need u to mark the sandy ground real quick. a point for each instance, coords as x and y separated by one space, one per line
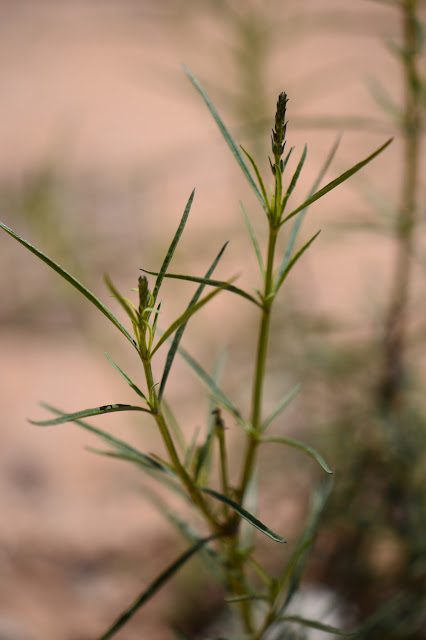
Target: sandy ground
93 97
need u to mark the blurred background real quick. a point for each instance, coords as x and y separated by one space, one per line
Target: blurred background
103 138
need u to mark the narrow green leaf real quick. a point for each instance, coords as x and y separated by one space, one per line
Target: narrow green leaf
204 455
219 396
118 444
287 158
191 449
179 333
292 563
164 577
70 417
334 183
248 597
228 138
125 304
294 179
155 323
254 241
302 447
299 219
204 462
174 425
257 172
127 457
306 539
212 559
226 286
283 404
383 99
314 624
293 261
171 250
126 378
183 319
73 281
243 513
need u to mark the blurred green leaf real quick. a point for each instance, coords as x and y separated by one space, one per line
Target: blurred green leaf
254 241
282 276
257 172
226 286
282 405
299 219
70 417
228 138
314 624
219 396
183 319
334 183
75 283
306 539
124 303
179 333
243 513
302 447
174 243
294 179
126 378
162 579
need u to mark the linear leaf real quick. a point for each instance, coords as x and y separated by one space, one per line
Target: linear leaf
179 333
243 513
334 183
283 404
73 281
128 457
154 587
125 304
306 538
383 99
248 597
292 563
70 417
257 172
295 178
293 261
314 624
117 443
226 286
174 425
299 219
183 319
228 138
254 241
302 447
126 378
204 454
171 250
210 383
204 461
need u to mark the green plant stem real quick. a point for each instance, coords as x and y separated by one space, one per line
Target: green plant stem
260 366
234 558
394 343
194 493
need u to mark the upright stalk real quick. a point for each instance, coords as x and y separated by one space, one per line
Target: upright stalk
260 363
394 343
275 210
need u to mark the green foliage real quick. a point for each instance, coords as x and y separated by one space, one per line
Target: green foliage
222 510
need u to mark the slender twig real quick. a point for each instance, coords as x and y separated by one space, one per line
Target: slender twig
394 343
